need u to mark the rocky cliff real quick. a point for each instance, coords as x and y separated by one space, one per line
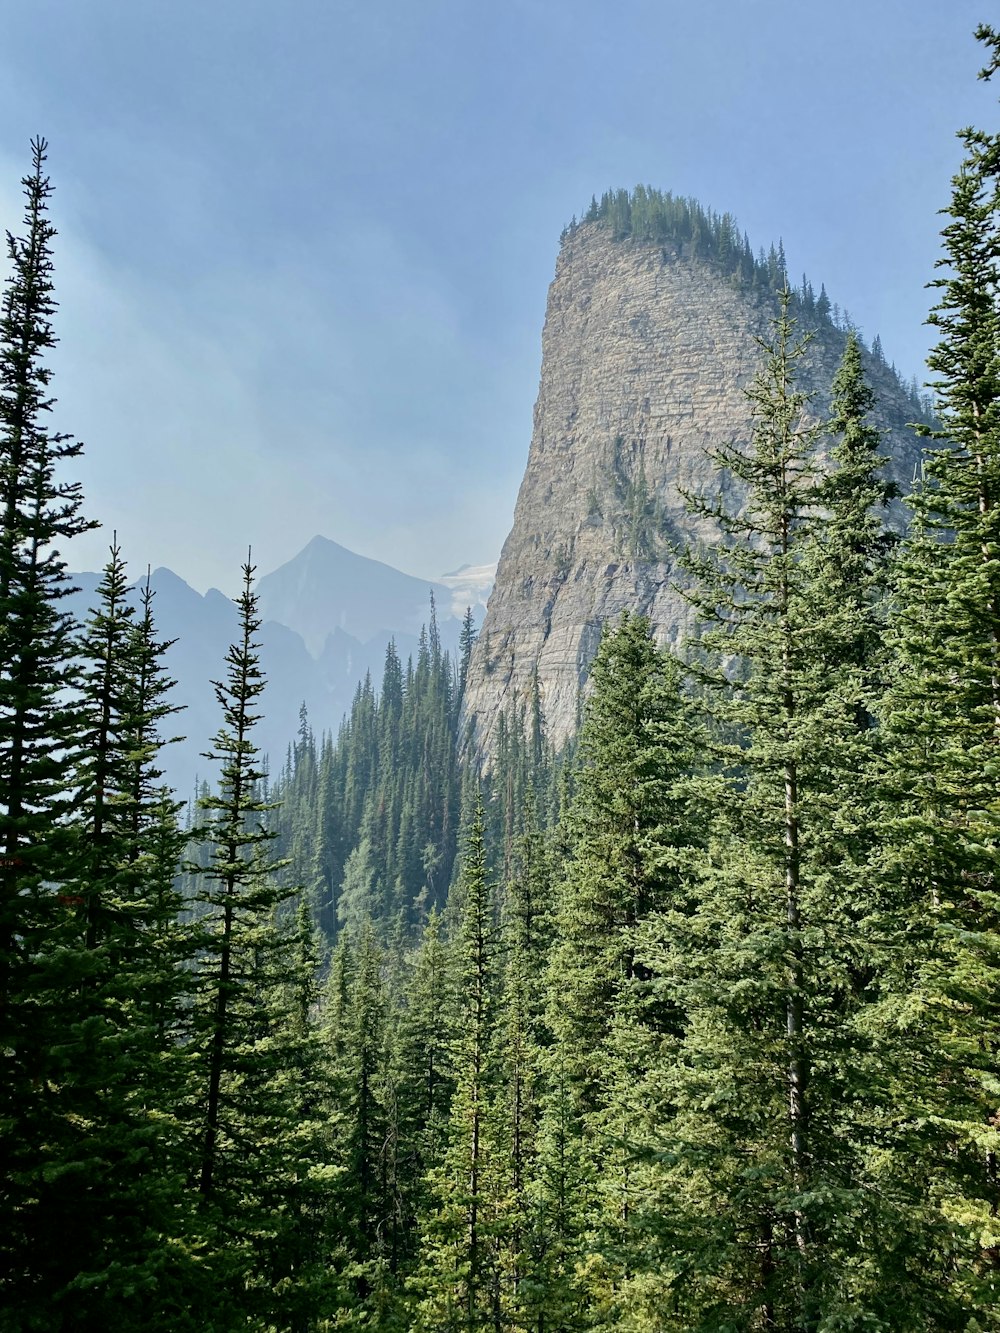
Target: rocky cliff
646 353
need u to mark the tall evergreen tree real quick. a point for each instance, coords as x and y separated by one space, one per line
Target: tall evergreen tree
120 1205
628 822
254 1061
236 883
527 927
366 1111
780 1118
944 726
39 736
630 827
466 643
425 1071
458 1280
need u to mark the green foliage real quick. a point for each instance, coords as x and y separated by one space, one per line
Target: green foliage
374 815
781 1113
702 1035
255 1060
629 830
682 224
425 1072
942 723
458 1280
642 529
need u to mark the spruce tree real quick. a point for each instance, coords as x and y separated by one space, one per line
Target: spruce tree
777 1111
38 726
114 1158
627 824
527 927
102 780
121 1206
39 739
236 882
366 1110
466 643
629 828
254 1060
457 1284
943 722
425 1071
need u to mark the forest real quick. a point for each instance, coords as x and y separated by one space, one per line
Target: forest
691 1026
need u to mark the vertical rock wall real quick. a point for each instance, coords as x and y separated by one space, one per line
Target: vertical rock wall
645 359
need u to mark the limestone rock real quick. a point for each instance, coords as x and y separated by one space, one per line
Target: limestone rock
646 355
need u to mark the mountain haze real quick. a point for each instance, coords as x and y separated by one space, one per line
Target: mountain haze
327 587
328 616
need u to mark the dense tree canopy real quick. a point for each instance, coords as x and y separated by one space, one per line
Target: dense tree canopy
691 1027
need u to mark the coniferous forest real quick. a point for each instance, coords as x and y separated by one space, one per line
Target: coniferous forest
692 1026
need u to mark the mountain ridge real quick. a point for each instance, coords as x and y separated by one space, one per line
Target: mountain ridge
202 626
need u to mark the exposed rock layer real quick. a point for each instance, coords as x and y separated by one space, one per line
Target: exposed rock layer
645 358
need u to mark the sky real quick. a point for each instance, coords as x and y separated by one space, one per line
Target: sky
305 244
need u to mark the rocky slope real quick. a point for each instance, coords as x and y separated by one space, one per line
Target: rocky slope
645 357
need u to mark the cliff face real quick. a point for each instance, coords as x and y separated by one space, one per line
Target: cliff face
645 356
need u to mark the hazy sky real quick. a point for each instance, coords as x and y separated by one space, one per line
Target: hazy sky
305 245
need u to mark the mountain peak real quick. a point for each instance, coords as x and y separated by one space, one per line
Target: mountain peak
321 543
326 587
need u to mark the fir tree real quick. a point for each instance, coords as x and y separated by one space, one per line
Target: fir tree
124 1073
39 739
780 1116
626 823
629 829
466 643
527 927
366 1108
425 1070
252 1056
236 884
458 1279
943 721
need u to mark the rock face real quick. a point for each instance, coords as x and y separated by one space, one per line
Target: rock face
645 358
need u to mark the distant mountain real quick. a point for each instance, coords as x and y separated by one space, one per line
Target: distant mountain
317 643
326 588
203 628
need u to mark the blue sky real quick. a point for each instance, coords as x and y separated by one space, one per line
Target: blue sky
305 245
